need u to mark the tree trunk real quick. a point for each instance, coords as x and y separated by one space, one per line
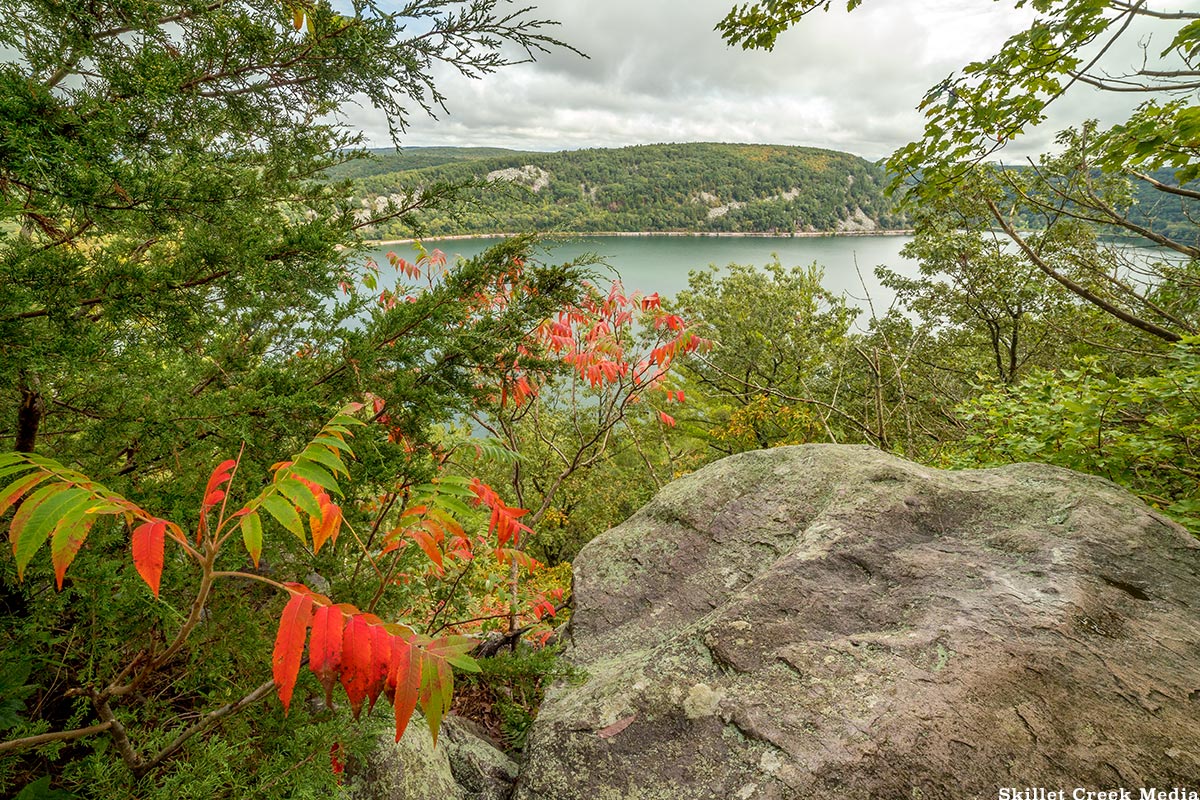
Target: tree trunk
29 414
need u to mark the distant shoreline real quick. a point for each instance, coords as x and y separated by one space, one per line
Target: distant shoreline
693 234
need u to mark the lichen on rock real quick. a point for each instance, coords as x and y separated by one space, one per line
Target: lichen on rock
832 621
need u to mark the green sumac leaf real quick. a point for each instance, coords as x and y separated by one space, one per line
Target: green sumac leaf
455 480
13 469
441 488
102 506
69 534
31 525
326 458
465 663
300 495
316 474
334 443
285 514
252 535
437 689
453 505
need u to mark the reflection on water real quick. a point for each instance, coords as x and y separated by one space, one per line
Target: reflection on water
662 263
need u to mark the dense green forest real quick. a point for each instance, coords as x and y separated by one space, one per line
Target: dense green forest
683 187
240 468
668 187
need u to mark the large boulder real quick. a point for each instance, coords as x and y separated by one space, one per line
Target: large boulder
830 621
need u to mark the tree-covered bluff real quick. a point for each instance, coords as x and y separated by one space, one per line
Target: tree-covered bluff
696 187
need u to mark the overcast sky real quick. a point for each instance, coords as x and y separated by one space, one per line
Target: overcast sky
658 72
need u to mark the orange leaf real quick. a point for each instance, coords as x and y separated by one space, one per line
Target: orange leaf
325 648
356 662
404 677
435 529
428 545
148 541
326 528
507 555
413 511
300 588
289 645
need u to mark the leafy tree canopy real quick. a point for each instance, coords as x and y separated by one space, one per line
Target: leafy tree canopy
1082 191
179 288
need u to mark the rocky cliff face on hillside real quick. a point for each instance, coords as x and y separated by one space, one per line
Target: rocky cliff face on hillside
825 621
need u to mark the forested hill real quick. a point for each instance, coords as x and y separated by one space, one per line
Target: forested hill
670 187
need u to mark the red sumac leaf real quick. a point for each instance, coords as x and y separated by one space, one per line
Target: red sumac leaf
300 588
212 491
356 662
381 662
289 645
148 541
219 475
325 648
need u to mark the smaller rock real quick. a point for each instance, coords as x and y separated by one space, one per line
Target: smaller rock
317 582
465 765
482 770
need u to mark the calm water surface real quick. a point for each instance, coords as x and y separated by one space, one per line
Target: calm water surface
662 263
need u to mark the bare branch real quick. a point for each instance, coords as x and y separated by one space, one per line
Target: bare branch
1075 288
1163 187
206 722
59 736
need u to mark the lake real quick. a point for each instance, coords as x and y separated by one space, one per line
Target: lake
662 263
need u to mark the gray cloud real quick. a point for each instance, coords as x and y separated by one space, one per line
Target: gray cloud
658 72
